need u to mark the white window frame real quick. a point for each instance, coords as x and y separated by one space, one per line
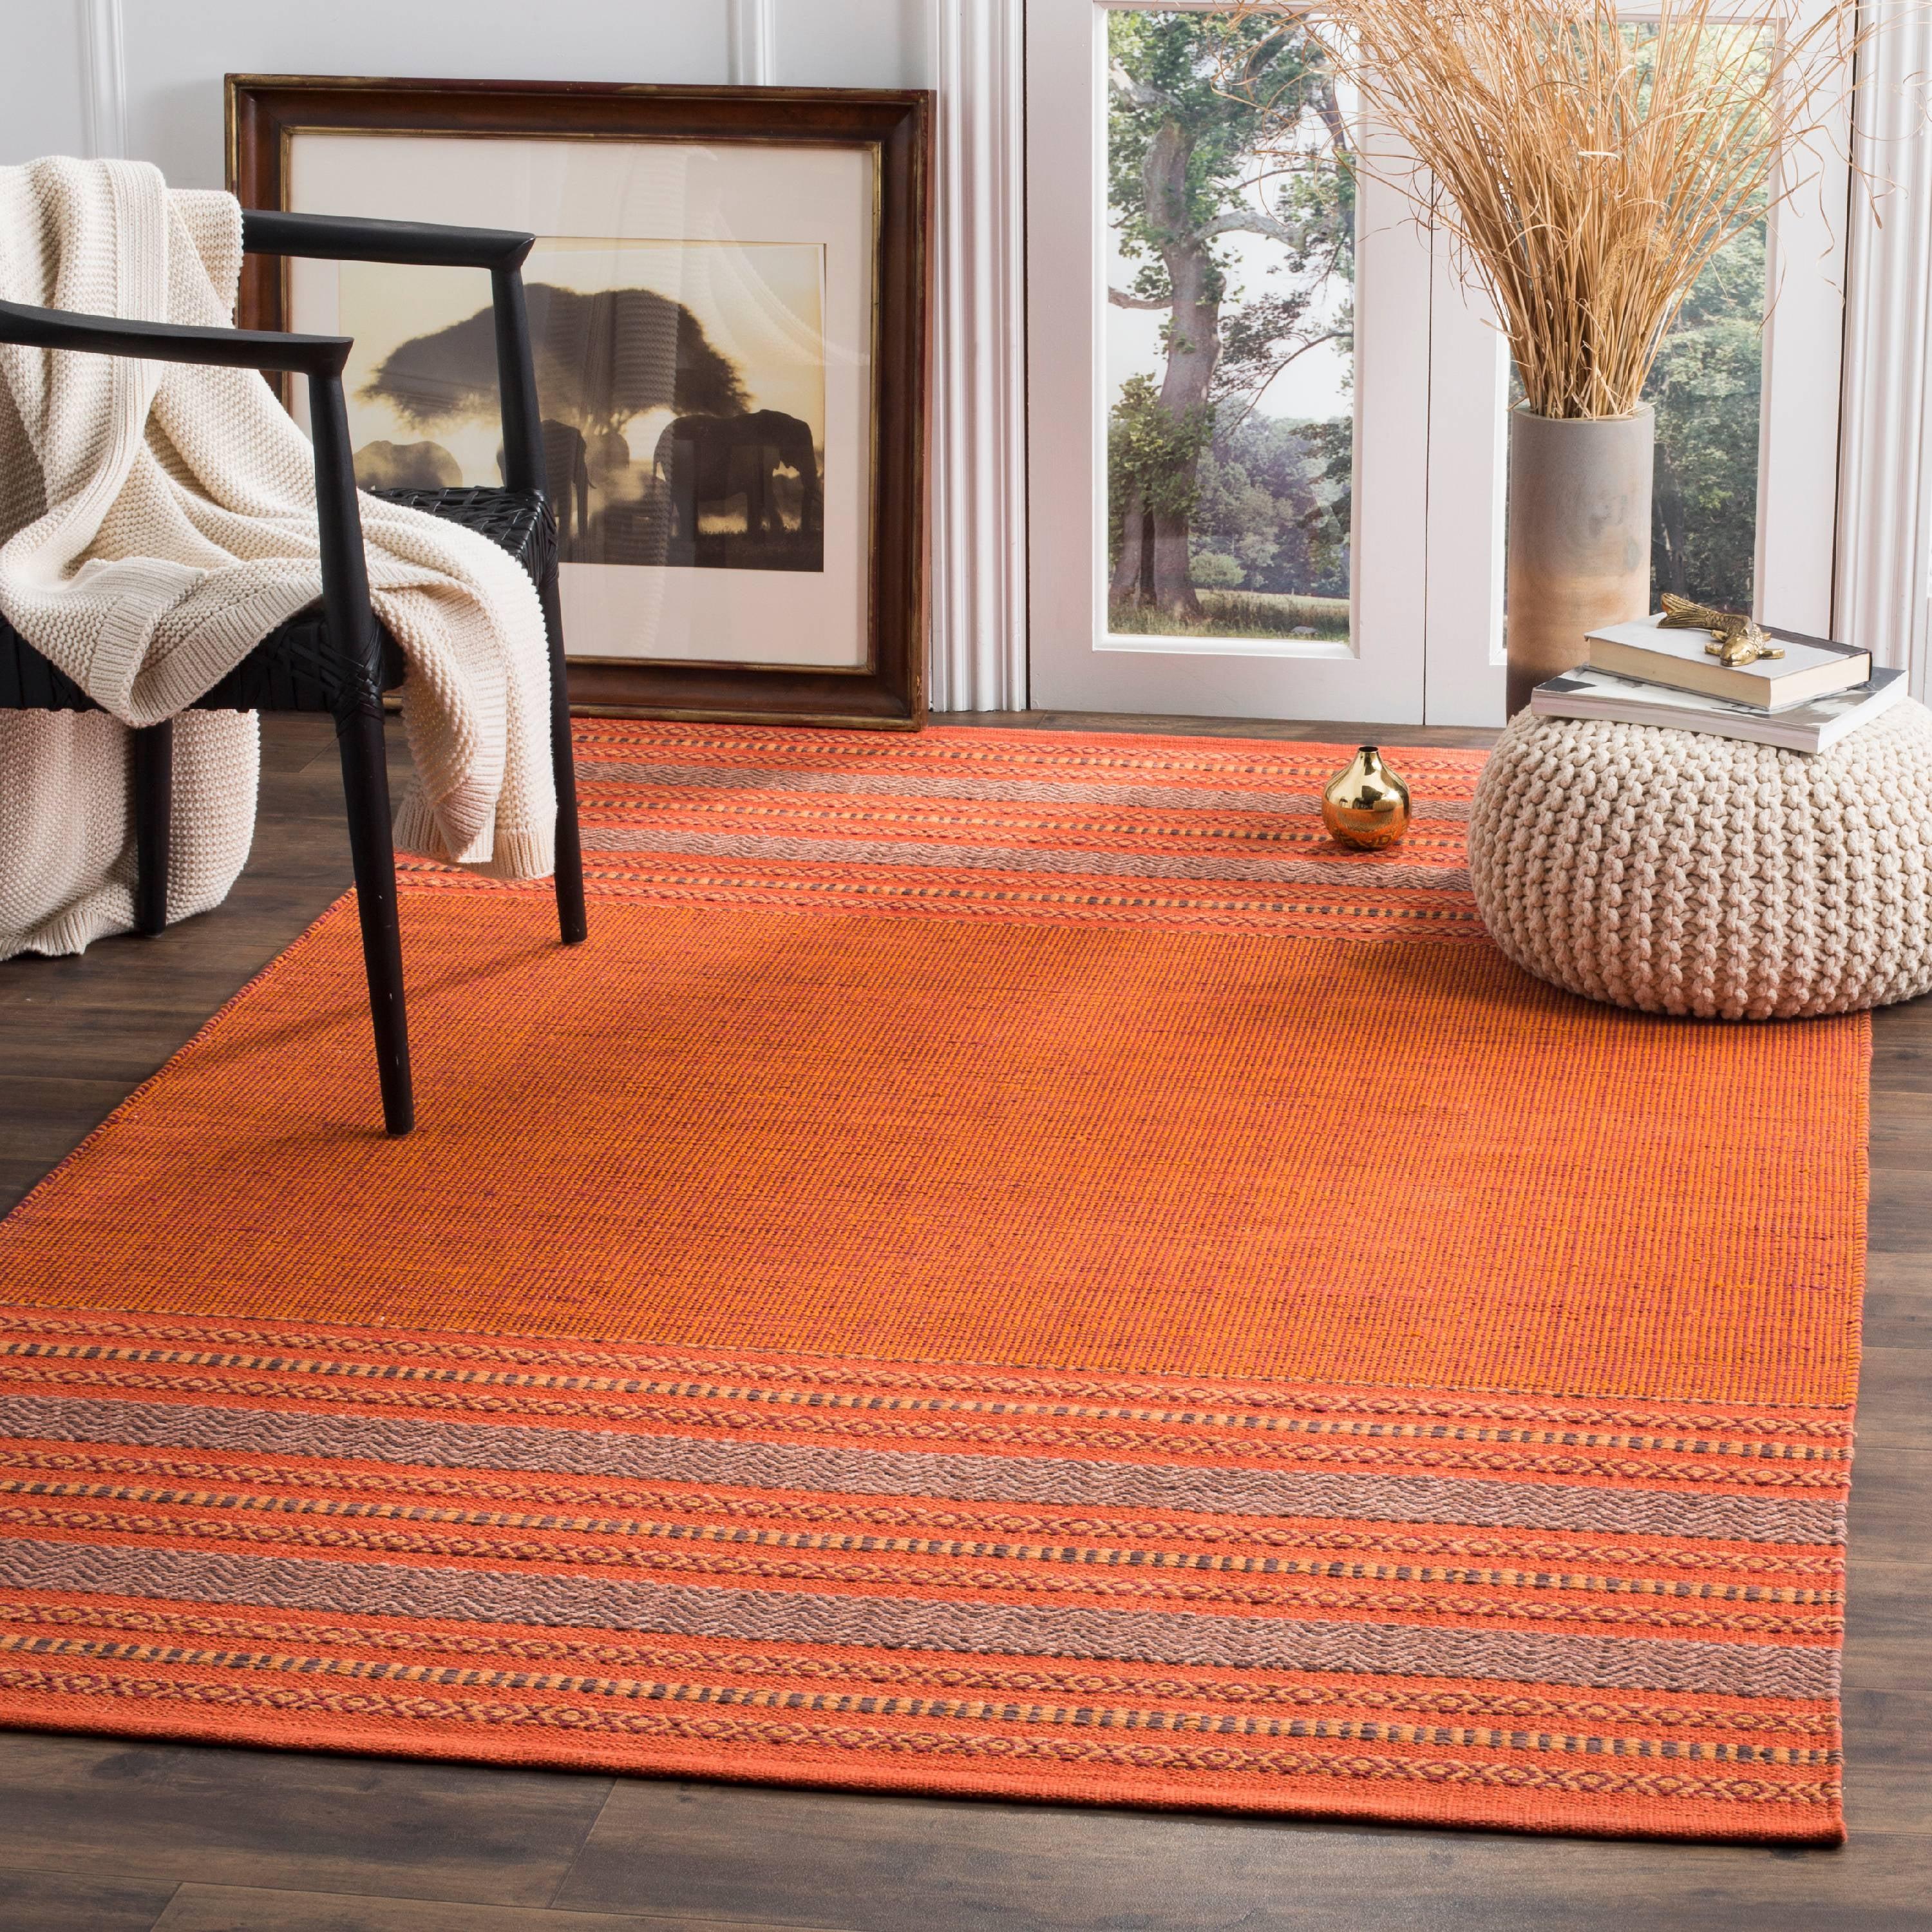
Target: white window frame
1378 676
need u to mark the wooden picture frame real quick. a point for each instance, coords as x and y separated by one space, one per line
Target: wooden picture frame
882 575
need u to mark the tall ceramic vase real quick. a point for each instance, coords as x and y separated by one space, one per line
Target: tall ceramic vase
1579 537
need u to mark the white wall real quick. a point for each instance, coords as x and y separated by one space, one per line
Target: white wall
175 52
41 80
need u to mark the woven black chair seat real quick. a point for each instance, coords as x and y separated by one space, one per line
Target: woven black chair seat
292 669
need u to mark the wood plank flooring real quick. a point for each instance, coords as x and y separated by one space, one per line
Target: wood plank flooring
106 1835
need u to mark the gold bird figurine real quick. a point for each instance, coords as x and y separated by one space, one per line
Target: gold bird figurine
1365 805
1738 640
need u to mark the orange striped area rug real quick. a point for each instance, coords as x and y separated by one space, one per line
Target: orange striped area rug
1008 1265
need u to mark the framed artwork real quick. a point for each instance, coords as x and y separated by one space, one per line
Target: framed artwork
728 301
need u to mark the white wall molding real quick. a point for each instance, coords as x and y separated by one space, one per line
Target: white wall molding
103 79
978 661
751 28
1883 573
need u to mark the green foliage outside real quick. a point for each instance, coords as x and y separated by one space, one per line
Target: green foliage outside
1706 386
1275 495
1268 500
1244 613
1174 60
1154 450
1252 502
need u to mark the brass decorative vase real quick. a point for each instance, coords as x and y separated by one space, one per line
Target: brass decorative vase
1366 805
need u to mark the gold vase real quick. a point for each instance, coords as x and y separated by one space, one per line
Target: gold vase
1366 805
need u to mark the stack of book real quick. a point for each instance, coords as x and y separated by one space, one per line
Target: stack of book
1639 674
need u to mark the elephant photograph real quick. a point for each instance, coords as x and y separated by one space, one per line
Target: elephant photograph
705 465
682 386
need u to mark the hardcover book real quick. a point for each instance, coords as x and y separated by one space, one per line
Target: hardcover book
1811 667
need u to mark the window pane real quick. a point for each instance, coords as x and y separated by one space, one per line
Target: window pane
1230 219
1706 385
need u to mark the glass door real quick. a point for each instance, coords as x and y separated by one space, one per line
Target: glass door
1230 353
1266 418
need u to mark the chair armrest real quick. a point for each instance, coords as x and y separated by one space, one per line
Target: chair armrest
345 583
350 625
345 238
172 342
348 238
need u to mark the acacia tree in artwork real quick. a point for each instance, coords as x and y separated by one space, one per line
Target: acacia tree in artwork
1182 173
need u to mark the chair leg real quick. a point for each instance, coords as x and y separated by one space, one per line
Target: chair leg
154 756
365 785
570 918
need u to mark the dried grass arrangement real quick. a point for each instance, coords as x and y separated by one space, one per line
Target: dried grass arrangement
1593 165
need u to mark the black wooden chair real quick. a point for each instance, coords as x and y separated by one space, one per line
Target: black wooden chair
336 658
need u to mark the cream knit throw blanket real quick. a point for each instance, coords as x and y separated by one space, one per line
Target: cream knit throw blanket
156 523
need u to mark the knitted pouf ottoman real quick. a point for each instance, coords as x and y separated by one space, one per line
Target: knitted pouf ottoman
1682 874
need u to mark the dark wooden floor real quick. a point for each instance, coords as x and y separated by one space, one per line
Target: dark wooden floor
100 1835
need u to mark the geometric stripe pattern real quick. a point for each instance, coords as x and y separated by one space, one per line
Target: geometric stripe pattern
1060 827
1609 1617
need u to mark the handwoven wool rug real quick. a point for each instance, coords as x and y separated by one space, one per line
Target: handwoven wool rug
1007 1265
